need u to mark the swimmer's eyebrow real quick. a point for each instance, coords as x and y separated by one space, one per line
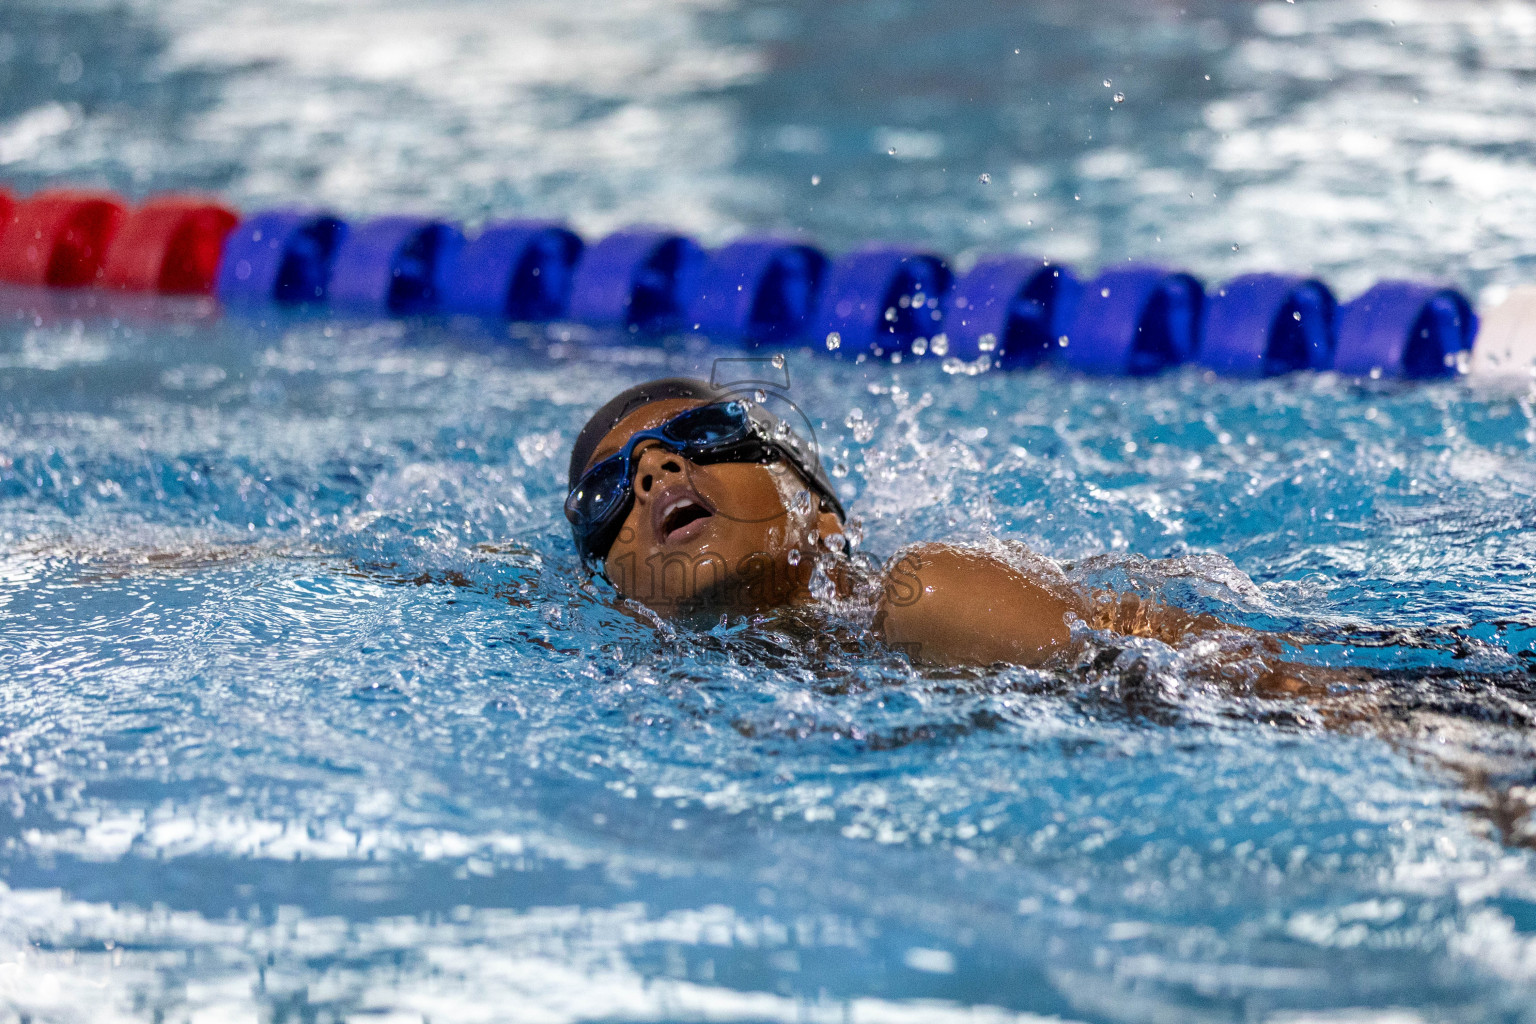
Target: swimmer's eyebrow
599 454
602 453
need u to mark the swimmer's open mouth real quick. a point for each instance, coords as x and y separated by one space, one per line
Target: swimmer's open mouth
681 517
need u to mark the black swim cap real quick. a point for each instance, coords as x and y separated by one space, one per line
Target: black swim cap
641 395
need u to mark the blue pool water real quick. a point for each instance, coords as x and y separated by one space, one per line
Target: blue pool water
307 716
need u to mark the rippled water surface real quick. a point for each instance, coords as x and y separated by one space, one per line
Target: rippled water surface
307 715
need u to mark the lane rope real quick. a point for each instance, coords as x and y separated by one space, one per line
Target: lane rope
877 302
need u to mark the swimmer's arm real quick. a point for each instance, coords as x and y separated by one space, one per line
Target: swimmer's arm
948 605
100 566
1134 615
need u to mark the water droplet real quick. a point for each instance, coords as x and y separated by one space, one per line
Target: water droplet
815 179
793 558
1207 78
1234 247
839 469
1104 293
939 346
759 396
890 315
1296 316
892 151
1119 97
778 361
1062 341
1108 82
985 179
834 341
862 429
822 588
919 346
987 342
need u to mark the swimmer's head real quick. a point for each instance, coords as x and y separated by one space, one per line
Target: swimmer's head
723 508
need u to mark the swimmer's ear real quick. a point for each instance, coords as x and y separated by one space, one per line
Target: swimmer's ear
827 522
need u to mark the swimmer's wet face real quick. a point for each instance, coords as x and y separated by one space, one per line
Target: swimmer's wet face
733 534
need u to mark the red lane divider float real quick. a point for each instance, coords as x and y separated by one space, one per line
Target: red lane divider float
171 244
59 238
878 302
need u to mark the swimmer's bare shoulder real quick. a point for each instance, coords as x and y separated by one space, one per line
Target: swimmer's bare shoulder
948 604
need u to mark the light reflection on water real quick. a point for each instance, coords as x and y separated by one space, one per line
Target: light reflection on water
262 758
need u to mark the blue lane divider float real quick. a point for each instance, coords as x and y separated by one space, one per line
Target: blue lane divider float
394 265
1133 321
1403 329
1259 325
281 256
880 302
520 270
641 280
758 291
1013 307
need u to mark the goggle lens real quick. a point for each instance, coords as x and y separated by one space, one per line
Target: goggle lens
599 494
708 425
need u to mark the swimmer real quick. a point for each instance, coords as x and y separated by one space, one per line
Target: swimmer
689 499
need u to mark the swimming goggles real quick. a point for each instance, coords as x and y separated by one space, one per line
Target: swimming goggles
731 431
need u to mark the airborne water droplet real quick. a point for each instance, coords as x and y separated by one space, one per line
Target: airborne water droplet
1119 97
834 341
985 179
892 151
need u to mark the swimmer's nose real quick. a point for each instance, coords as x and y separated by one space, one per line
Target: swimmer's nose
653 468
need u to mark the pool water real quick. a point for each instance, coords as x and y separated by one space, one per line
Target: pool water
307 714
